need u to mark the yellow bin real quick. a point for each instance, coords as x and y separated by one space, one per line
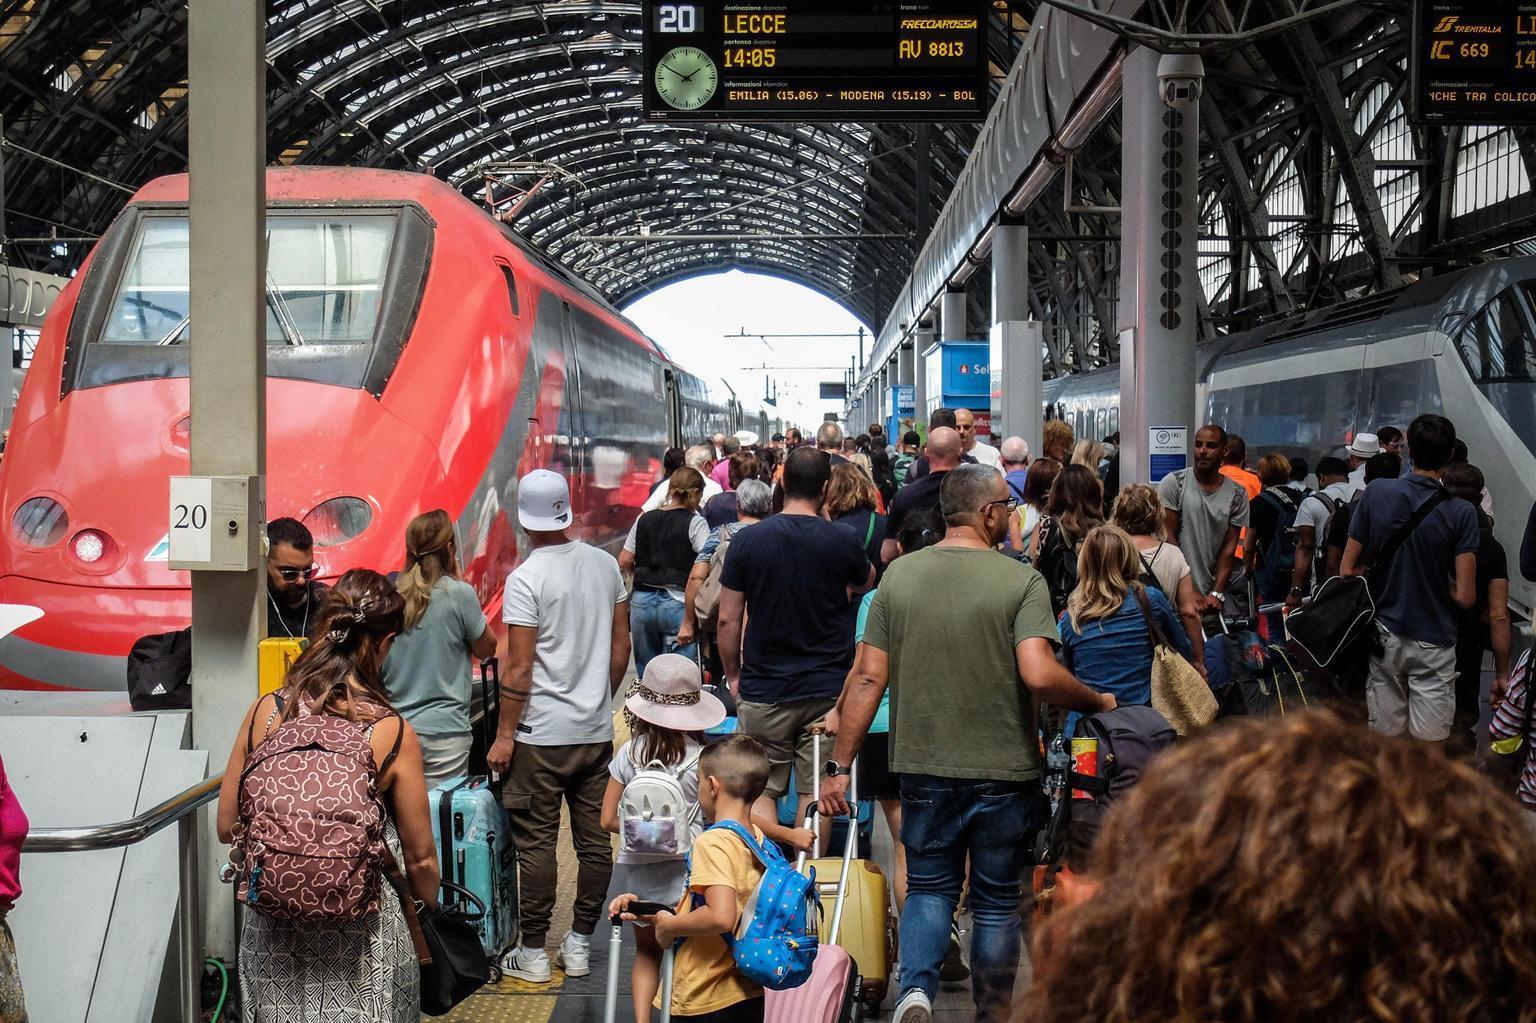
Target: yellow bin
274 659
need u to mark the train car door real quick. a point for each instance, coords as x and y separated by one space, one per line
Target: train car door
578 457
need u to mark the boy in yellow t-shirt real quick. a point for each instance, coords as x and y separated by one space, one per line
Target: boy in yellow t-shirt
706 985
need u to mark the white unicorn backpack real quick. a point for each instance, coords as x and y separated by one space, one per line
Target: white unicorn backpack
655 817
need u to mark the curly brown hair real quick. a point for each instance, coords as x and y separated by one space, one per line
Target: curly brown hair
1300 869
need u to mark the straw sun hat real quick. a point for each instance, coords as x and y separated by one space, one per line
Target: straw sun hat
671 696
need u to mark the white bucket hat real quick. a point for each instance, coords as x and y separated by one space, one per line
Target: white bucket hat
671 695
1366 445
544 502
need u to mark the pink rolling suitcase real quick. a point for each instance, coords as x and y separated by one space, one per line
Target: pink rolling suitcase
831 993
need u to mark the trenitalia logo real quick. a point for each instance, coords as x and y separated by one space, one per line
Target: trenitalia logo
1454 24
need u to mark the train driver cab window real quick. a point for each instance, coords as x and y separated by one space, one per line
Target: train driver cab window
325 280
341 290
1497 342
511 281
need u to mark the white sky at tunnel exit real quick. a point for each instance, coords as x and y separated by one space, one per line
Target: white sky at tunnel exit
690 318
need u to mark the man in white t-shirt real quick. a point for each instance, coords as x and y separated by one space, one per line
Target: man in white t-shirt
700 457
567 617
1334 488
984 453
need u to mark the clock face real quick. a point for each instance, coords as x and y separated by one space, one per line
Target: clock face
686 78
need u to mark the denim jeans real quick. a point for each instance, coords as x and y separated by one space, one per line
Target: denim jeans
654 618
944 820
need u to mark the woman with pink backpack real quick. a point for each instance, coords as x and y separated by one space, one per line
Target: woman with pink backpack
324 779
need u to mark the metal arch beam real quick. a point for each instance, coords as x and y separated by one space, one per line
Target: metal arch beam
1252 212
1357 167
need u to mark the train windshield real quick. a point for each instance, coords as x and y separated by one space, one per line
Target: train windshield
341 292
325 278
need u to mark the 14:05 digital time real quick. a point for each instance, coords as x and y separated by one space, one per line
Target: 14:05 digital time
751 56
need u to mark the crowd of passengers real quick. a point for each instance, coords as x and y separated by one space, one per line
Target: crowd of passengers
929 603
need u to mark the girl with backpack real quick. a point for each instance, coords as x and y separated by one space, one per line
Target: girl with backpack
652 802
1075 506
327 755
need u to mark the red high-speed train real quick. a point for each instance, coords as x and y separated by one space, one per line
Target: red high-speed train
420 355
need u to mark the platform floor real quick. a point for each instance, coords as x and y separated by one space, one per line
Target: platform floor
580 999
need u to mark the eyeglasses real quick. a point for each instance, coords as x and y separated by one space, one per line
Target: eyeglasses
1010 503
293 575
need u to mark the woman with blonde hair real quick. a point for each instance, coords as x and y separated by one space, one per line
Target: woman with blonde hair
429 673
1088 453
853 501
1226 886
659 552
1107 630
1139 512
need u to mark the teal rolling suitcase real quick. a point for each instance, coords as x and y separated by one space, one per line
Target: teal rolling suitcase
474 849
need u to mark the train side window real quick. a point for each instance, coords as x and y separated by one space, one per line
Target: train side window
506 273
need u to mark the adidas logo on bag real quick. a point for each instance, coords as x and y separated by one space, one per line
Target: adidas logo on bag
159 689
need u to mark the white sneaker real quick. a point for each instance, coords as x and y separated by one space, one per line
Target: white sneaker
530 964
914 1007
574 955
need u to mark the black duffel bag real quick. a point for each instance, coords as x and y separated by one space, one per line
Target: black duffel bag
447 939
160 672
1337 628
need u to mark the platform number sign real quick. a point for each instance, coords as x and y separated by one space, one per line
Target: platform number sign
677 19
191 514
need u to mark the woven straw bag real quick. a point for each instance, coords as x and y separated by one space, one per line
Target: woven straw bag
1178 692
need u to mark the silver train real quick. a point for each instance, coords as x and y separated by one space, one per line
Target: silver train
1462 344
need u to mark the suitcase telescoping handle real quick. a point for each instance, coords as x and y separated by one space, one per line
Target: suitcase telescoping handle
615 946
814 811
490 706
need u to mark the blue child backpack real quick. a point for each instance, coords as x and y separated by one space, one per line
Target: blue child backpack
775 942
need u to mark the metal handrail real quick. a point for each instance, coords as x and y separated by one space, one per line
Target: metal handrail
178 810
128 832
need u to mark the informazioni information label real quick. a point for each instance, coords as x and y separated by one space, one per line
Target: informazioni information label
1474 62
815 60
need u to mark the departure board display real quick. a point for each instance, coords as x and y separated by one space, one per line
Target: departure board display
1474 61
815 60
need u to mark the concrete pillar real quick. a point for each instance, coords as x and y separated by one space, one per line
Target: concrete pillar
906 363
1010 273
227 153
922 339
1158 279
952 325
1017 387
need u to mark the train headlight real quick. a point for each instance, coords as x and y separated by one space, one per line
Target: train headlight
338 520
40 522
91 545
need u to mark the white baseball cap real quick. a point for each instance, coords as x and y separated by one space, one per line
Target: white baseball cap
543 502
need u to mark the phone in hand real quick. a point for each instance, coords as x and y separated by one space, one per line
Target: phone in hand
639 908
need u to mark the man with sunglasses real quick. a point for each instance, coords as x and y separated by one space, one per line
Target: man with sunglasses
964 637
293 594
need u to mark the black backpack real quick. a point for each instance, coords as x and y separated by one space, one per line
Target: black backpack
160 672
1277 561
1056 560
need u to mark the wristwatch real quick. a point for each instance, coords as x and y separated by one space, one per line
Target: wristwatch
832 769
1297 591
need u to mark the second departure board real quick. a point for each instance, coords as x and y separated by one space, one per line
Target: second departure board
815 60
1474 61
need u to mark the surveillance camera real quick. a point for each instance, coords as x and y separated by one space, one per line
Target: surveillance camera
1180 77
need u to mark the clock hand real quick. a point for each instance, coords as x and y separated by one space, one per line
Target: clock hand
668 67
689 77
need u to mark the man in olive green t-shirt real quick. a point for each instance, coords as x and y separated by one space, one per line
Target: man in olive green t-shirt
964 637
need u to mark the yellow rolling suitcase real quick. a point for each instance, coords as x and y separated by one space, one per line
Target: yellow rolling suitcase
867 930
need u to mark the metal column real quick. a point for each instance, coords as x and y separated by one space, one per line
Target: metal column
922 339
952 325
1016 360
1010 273
1158 279
906 362
227 153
